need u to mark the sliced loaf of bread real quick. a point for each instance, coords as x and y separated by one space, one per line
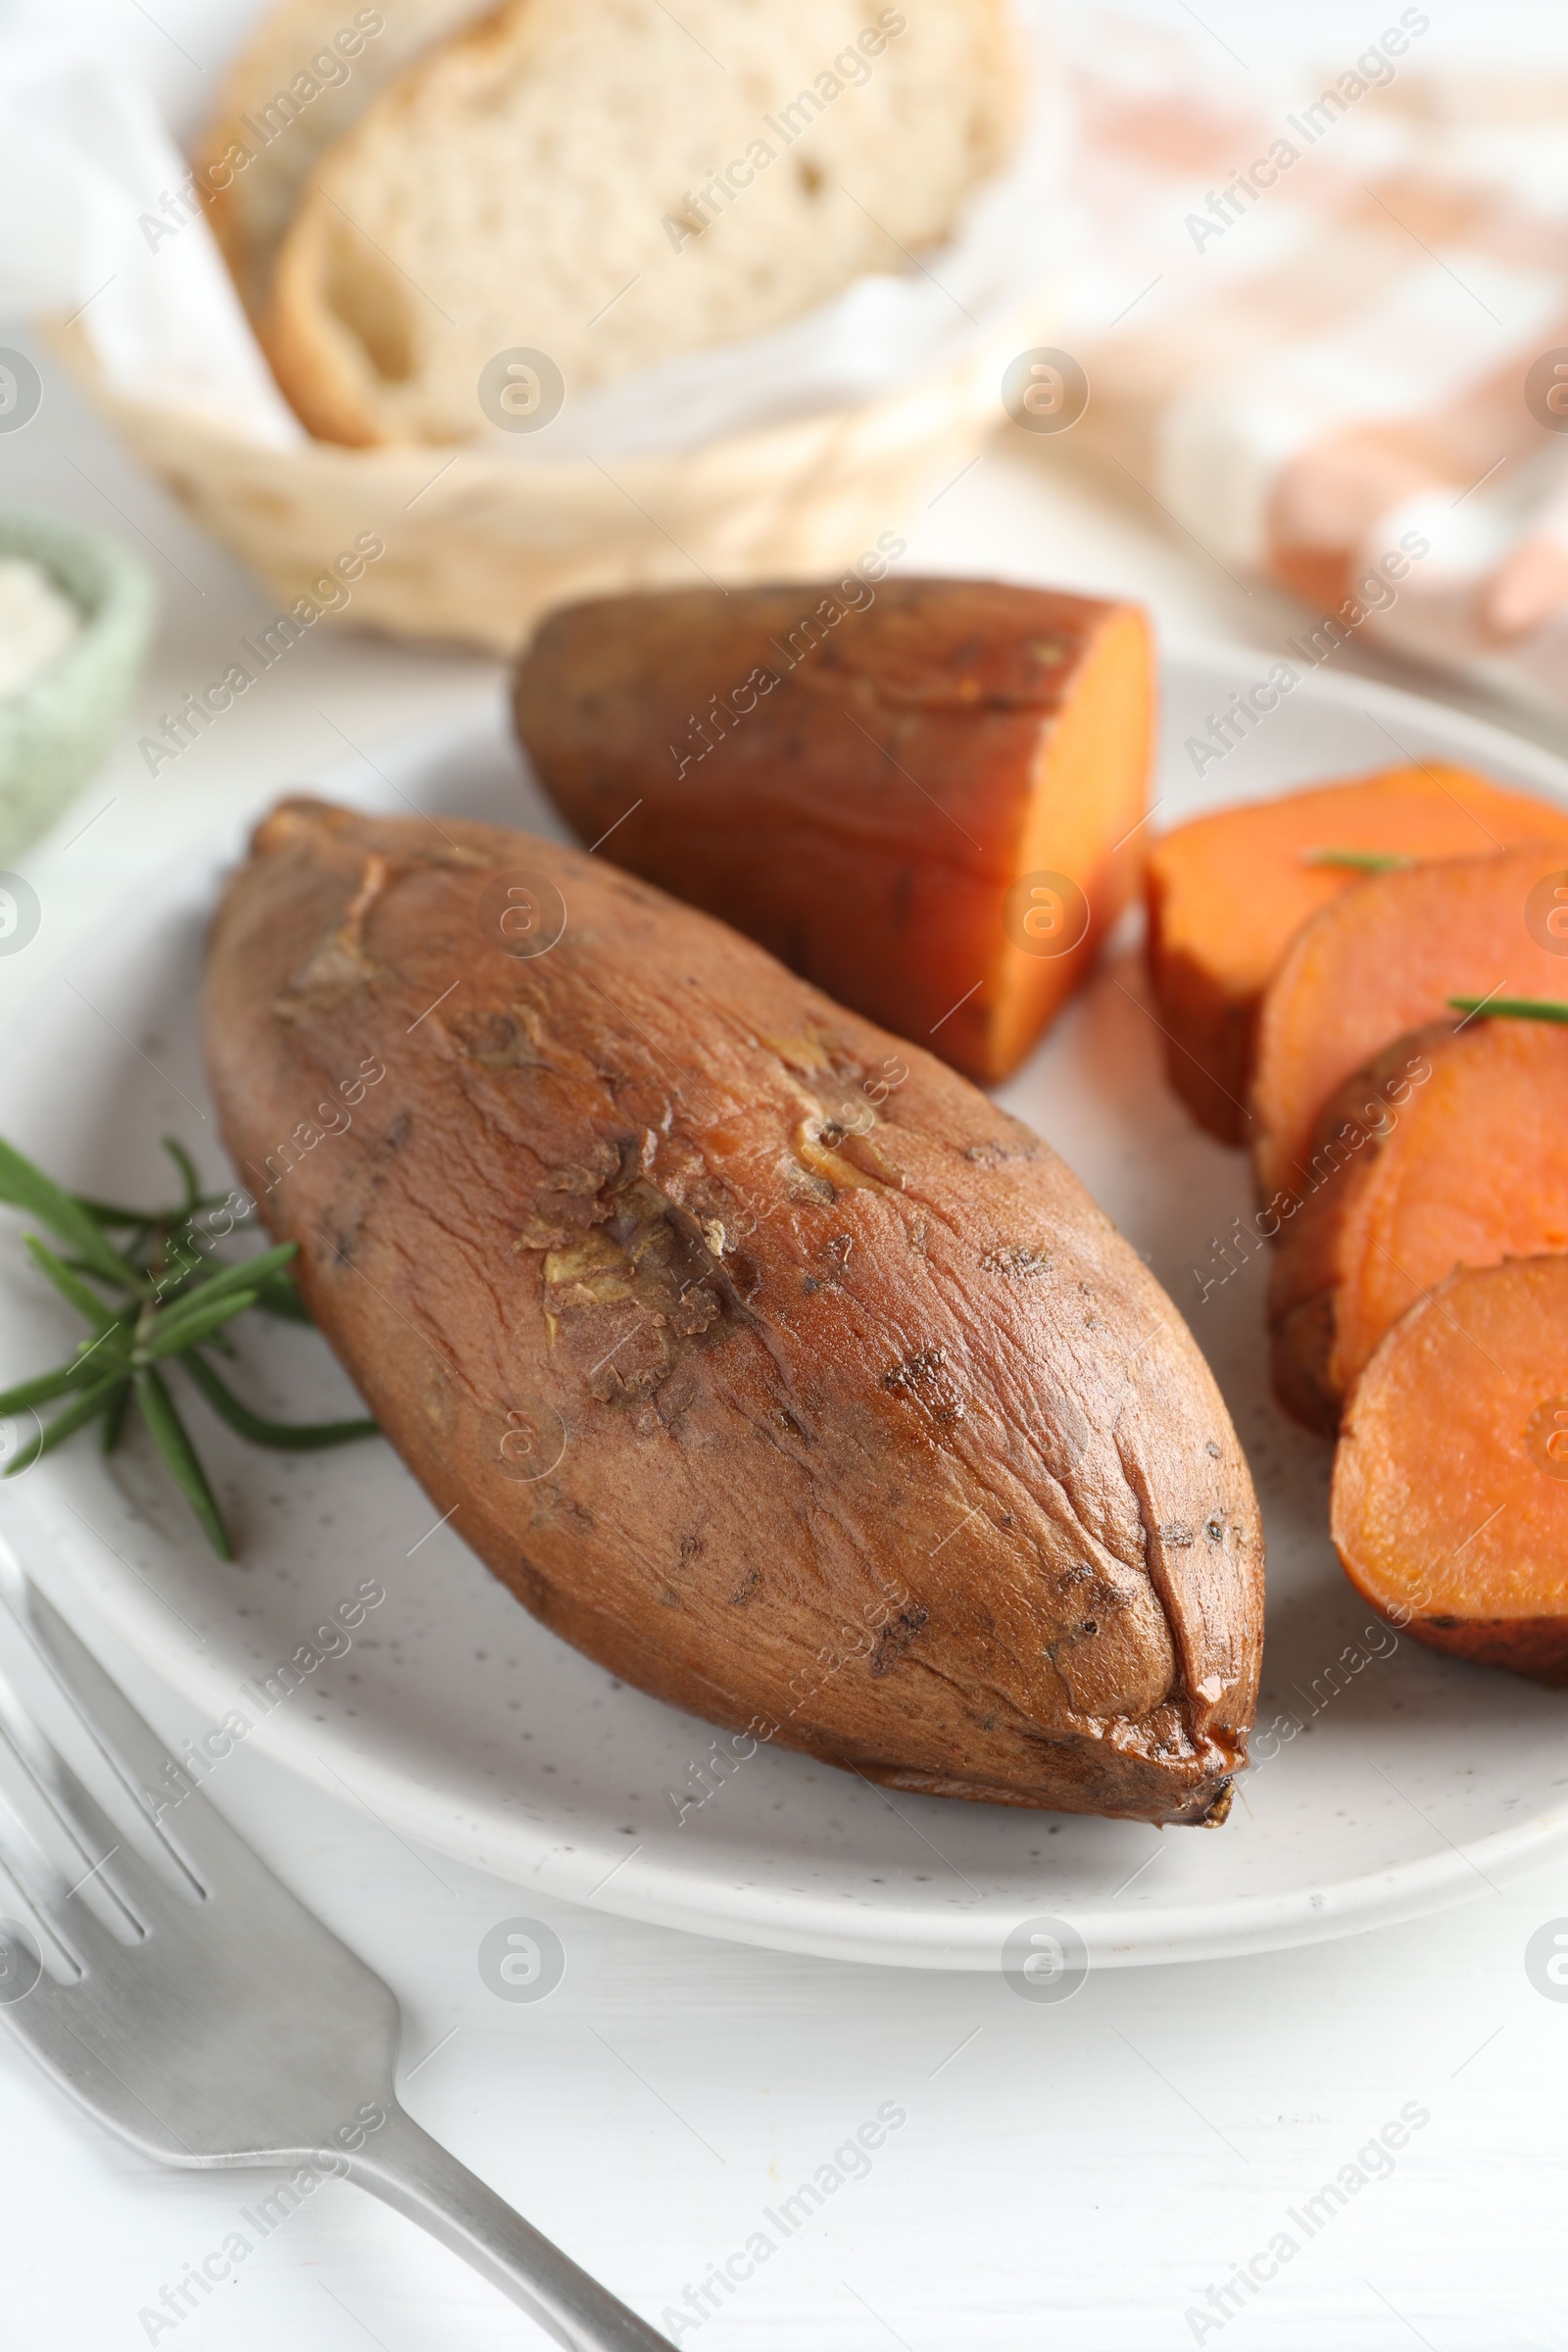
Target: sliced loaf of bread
303 78
614 182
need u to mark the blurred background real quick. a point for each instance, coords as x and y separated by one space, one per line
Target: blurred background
1277 380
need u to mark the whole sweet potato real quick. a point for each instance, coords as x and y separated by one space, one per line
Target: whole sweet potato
758 1353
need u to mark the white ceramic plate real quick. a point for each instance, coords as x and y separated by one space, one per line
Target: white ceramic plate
1390 1779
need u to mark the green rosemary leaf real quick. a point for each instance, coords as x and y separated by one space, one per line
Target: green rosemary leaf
29 1188
109 1348
187 1174
248 1275
86 1303
80 1410
299 1437
278 1294
176 1268
171 1439
1358 861
48 1384
176 1297
109 1213
1514 1008
183 1327
179 1269
113 1427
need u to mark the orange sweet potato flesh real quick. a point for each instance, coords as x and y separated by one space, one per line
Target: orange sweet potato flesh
1450 1482
1227 893
1450 1149
1384 957
888 795
758 1354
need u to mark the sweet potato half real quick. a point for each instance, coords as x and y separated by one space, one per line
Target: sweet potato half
922 794
1450 1482
1449 1150
1227 893
1385 957
758 1354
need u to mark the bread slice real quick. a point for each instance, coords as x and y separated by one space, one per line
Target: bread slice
614 182
303 78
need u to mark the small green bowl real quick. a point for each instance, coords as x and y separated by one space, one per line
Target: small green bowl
56 729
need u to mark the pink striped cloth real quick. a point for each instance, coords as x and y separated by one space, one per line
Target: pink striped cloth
1325 321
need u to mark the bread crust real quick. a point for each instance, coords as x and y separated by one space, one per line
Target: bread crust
251 202
382 316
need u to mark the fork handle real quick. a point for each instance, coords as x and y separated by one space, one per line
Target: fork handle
418 2177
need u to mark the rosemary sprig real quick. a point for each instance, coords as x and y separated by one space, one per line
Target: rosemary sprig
1514 1008
1358 861
169 1298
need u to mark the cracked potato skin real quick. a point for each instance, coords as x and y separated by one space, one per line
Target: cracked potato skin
876 1438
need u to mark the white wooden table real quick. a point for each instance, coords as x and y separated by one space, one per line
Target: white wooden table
1084 2176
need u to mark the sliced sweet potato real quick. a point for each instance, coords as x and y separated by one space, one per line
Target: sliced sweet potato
1386 956
758 1354
1449 1150
1227 893
1450 1482
922 794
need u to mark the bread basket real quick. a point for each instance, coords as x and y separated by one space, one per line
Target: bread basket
478 546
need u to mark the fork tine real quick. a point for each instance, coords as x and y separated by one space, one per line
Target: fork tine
128 1744
142 1752
30 1762
27 1866
82 1938
73 2037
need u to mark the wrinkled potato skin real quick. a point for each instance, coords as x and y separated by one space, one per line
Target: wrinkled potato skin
880 1441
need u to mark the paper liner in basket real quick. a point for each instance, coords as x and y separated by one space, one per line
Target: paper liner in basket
479 546
788 453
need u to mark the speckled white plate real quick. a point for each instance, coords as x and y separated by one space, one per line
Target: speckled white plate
1391 1780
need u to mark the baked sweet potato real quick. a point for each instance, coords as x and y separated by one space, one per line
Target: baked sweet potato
1449 1150
1227 893
758 1354
1450 1482
924 794
1384 957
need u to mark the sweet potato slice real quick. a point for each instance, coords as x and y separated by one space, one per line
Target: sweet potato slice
923 796
1450 1482
758 1353
1384 957
1227 893
1448 1150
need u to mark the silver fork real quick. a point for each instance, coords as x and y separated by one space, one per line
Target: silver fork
200 2011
